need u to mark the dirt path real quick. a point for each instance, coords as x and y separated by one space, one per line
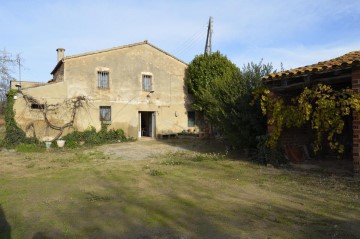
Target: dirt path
146 148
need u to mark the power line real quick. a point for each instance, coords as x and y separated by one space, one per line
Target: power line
191 41
196 41
199 31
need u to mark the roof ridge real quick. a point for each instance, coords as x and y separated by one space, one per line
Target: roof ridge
104 50
112 49
122 47
344 60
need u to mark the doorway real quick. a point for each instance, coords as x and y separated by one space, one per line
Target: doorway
146 124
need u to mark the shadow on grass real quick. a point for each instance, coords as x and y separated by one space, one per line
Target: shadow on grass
5 228
41 235
129 205
200 145
325 168
122 211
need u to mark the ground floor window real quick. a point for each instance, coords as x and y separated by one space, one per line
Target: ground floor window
37 106
191 118
105 113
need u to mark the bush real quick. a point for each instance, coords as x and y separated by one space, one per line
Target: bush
223 94
266 155
91 137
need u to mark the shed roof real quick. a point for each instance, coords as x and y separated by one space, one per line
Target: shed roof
341 62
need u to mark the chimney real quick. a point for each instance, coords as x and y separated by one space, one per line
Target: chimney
60 54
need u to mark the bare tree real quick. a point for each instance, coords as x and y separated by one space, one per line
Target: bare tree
7 63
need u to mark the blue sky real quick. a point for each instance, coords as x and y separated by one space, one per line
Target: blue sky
294 32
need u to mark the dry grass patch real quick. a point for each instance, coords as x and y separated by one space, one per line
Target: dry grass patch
180 194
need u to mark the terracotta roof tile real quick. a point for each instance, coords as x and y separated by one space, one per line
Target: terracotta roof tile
341 62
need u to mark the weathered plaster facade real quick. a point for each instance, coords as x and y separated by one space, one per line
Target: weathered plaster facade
136 111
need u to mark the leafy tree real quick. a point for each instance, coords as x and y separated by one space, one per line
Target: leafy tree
223 94
247 113
206 74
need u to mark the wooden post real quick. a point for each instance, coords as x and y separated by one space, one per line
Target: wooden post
355 84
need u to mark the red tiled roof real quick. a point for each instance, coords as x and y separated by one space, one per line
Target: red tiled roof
341 62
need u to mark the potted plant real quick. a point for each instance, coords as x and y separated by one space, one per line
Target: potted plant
47 140
47 144
60 143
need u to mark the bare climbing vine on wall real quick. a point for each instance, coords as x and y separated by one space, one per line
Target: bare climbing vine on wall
71 105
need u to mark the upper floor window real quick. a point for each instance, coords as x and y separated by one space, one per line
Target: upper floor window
103 79
147 83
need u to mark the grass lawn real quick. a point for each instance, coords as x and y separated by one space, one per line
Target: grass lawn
86 193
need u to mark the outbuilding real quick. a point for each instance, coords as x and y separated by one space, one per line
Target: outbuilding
341 72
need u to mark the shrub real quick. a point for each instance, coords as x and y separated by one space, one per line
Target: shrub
266 155
91 137
223 94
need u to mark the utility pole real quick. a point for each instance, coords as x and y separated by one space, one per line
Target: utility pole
208 37
19 62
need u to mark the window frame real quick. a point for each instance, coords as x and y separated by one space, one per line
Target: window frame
106 119
103 79
35 106
149 86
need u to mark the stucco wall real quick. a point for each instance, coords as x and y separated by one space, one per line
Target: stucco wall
125 95
25 84
31 120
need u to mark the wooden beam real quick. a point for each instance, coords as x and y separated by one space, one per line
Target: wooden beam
306 82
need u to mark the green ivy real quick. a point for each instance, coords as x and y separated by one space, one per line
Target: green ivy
14 135
324 107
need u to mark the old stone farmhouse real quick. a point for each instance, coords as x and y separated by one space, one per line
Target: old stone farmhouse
138 88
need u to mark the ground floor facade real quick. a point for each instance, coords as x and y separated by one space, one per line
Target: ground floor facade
138 118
